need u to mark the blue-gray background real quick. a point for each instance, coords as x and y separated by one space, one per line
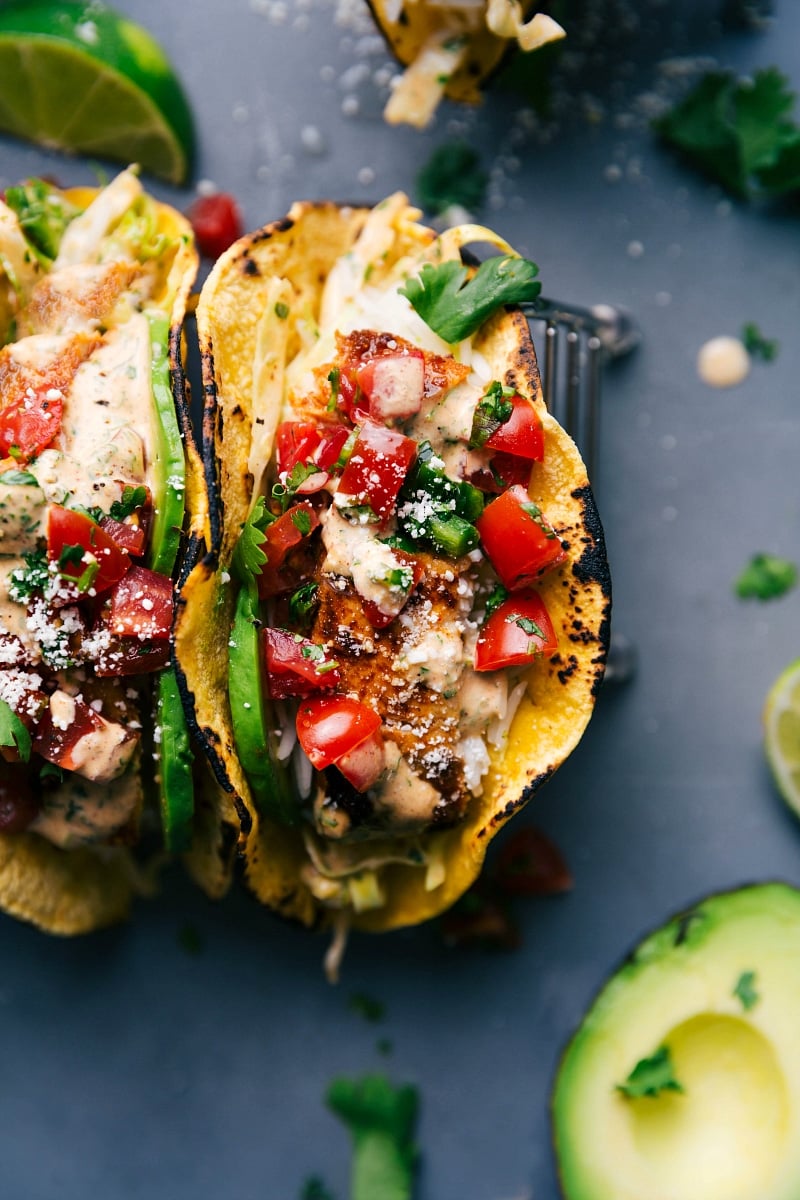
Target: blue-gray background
131 1068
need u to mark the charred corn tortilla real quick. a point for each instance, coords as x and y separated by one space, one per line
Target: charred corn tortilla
452 49
75 890
298 254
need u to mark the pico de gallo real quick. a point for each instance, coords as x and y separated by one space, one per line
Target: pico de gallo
92 482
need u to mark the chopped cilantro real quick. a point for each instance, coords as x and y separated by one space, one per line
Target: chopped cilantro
19 479
381 1119
455 306
132 498
452 176
301 521
758 346
13 732
284 493
497 597
492 410
527 626
33 577
302 604
248 557
745 990
281 310
14 452
191 940
651 1076
313 652
315 1189
52 772
367 1007
70 556
766 577
739 131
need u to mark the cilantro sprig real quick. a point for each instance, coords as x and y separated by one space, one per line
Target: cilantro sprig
454 306
766 577
651 1076
13 732
740 132
248 557
452 176
381 1119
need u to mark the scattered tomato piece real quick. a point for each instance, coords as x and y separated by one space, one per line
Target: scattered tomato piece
217 223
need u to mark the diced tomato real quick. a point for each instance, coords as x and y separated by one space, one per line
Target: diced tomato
304 443
130 656
522 434
531 864
129 537
374 474
393 384
140 606
30 423
282 536
217 223
504 471
295 442
338 731
349 399
66 530
18 805
517 632
331 445
55 744
518 541
296 666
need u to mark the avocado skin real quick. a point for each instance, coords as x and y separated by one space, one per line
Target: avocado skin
722 938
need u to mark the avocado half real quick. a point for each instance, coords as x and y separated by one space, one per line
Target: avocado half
683 1080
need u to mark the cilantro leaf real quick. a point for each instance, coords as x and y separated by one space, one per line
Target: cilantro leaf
367 1006
132 498
739 131
758 346
766 577
455 306
13 732
452 176
248 557
745 990
651 1076
381 1119
19 479
315 1189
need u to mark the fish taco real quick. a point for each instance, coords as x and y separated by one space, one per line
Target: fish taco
402 623
452 49
101 492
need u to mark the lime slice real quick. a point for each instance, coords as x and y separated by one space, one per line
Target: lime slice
81 78
782 734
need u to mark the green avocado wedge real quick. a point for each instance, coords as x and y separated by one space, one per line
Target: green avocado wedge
175 785
683 1079
251 714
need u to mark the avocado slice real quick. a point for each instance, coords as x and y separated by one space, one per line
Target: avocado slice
251 713
175 784
683 1080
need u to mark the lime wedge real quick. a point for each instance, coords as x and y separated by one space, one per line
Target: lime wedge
782 734
84 79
